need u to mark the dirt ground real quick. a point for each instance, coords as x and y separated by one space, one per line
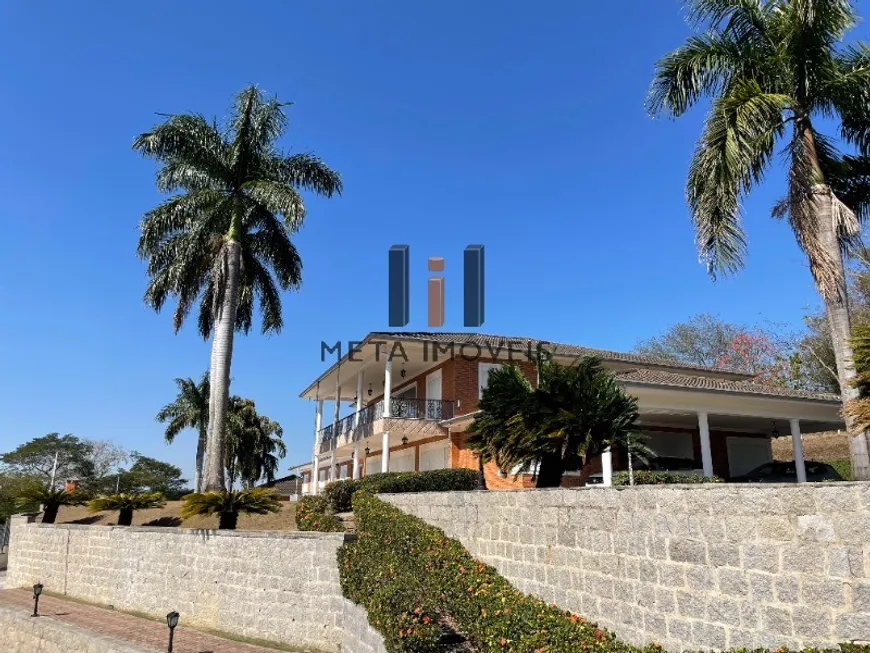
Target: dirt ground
826 447
170 516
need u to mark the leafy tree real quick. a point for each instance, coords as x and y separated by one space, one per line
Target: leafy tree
708 341
126 504
12 487
224 238
773 69
37 458
151 475
574 414
254 444
189 410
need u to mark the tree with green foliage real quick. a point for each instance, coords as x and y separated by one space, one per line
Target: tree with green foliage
574 414
224 237
189 410
37 458
151 475
773 70
254 444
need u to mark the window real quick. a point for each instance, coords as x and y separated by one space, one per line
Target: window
434 457
483 374
343 472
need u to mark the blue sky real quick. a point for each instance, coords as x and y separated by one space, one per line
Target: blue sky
514 125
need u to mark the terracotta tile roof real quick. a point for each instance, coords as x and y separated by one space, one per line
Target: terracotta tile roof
484 339
659 377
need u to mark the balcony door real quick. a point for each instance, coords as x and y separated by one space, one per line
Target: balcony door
433 395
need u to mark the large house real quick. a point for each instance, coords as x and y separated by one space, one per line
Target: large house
412 395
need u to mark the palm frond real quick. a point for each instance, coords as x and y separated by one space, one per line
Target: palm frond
256 501
730 159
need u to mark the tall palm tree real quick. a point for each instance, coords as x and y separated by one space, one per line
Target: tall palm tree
773 69
189 410
224 237
574 414
254 444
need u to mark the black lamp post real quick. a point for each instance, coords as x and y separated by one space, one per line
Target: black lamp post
37 590
172 622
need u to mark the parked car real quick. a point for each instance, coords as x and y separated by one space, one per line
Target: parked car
786 472
685 466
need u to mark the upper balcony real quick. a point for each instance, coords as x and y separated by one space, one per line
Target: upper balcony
408 417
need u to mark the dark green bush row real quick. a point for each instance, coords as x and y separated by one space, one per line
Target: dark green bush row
338 493
663 478
313 514
410 577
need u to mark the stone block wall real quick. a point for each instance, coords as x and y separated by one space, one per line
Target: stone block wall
689 567
279 586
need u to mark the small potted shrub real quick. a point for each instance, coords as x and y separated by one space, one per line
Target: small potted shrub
228 505
125 504
50 499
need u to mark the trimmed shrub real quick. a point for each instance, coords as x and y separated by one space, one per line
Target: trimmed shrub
643 477
338 493
413 579
313 514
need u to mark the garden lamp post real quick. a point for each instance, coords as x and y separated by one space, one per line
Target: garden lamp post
37 590
172 622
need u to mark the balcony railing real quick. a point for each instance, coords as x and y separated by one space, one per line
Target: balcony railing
429 409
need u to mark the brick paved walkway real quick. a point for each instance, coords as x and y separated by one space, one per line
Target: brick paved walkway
125 627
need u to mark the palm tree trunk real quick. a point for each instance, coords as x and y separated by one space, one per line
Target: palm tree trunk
200 457
222 357
837 309
481 477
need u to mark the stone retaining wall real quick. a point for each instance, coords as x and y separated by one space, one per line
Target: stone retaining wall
279 586
689 567
22 634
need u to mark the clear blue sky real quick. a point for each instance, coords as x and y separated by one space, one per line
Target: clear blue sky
516 125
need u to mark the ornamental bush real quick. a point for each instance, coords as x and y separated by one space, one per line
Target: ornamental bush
643 477
413 579
338 493
313 514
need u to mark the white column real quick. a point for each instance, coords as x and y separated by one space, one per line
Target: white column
607 467
798 448
388 407
358 408
315 468
706 453
336 409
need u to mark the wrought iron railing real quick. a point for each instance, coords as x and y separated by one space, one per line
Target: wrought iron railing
429 409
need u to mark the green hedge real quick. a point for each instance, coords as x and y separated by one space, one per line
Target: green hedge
313 514
663 478
411 577
338 493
